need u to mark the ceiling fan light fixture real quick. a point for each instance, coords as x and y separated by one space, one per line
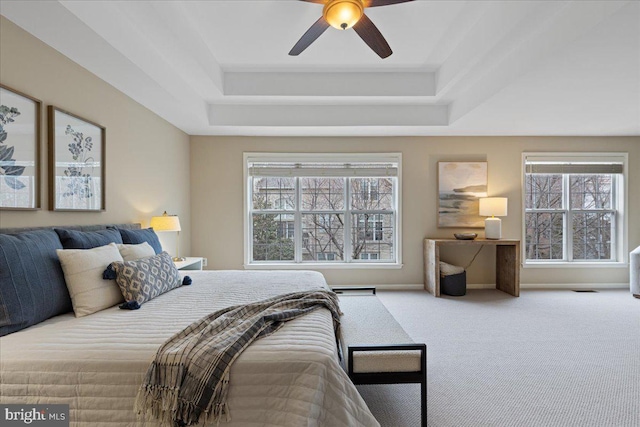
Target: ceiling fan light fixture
343 14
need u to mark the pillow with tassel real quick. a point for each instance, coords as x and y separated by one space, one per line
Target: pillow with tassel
144 279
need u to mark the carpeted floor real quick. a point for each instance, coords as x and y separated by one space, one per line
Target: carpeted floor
548 358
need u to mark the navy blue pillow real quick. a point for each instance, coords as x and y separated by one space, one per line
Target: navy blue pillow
32 286
135 237
72 239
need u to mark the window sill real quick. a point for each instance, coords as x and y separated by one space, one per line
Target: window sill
576 265
323 266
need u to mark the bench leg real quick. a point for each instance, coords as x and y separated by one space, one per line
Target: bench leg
423 404
423 388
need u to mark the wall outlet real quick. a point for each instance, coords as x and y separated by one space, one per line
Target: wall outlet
204 262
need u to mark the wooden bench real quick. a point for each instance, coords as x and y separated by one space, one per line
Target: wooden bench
378 350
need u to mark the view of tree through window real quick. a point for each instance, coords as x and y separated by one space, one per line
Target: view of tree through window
330 219
569 217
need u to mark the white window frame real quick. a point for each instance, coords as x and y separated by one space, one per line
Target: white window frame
251 157
619 249
374 221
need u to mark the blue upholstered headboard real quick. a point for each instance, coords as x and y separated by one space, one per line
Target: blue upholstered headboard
32 283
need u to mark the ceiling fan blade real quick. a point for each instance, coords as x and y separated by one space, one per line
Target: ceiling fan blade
310 36
375 3
372 37
317 1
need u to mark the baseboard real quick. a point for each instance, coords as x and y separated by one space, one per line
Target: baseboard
555 286
481 286
574 286
420 286
388 287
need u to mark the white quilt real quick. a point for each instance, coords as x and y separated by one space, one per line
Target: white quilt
96 363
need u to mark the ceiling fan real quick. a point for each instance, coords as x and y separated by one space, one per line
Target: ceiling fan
344 14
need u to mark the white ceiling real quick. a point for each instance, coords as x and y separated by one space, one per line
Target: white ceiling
458 68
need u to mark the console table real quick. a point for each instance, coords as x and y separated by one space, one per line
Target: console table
507 263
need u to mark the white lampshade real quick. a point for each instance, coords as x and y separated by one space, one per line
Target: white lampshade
493 206
165 223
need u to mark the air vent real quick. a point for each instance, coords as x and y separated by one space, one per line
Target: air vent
584 290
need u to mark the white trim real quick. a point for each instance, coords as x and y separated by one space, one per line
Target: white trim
482 286
342 158
398 200
328 265
399 287
246 224
559 286
574 158
317 172
575 264
570 286
621 220
390 157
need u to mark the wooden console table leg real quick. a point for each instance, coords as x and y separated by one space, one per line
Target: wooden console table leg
508 269
432 267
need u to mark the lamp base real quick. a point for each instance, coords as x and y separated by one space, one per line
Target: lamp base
179 258
493 228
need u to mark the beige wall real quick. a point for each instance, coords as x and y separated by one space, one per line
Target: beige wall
149 163
217 205
147 158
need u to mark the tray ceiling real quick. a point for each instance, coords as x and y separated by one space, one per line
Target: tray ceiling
458 68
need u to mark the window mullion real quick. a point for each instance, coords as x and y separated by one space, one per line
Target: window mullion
348 249
278 220
567 235
249 238
396 219
614 217
592 231
297 219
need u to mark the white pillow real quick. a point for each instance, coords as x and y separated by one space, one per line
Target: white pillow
134 252
83 270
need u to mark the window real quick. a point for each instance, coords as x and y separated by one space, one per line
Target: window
370 227
369 190
286 229
319 208
326 256
574 208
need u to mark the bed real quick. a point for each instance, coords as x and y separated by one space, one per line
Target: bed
96 363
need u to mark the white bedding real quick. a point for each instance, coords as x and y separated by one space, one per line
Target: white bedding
96 363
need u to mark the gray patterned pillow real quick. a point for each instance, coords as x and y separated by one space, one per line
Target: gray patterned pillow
144 279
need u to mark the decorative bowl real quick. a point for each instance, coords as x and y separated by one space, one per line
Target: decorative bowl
465 236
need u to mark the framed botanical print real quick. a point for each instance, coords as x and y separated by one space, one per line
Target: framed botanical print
76 162
460 186
20 118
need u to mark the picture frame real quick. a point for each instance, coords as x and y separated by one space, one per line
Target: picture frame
20 141
460 186
76 162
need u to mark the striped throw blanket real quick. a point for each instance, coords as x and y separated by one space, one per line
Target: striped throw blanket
189 378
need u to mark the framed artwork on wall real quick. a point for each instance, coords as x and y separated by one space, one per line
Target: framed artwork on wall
460 186
76 162
20 118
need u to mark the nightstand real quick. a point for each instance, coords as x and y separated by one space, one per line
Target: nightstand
190 263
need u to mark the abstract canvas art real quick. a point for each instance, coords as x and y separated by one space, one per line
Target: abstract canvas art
460 185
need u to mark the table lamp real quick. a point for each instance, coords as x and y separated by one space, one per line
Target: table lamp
168 223
493 206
